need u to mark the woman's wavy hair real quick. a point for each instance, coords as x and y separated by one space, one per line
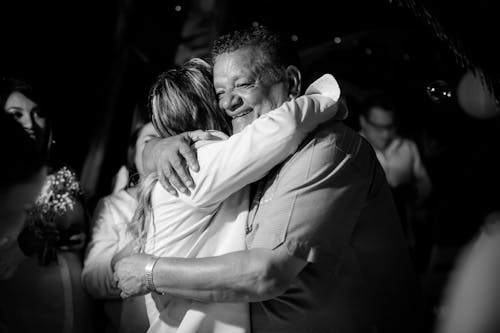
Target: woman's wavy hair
182 99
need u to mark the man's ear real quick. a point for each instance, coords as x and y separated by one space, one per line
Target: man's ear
294 81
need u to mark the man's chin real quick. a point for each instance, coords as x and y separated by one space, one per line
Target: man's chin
240 123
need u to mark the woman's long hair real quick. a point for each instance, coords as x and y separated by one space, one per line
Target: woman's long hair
182 99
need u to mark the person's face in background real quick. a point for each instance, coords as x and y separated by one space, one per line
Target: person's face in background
27 113
14 201
146 133
243 93
379 127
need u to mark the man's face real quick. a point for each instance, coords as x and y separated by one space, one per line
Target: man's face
379 127
244 94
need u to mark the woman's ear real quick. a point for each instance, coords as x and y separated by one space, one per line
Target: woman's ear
294 81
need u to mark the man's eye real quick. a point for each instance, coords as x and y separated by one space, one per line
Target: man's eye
243 85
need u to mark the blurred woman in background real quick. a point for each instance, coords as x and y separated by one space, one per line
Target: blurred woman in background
110 241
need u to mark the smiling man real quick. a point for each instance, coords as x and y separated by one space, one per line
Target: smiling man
325 249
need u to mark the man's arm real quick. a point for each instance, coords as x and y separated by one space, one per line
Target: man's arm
172 158
229 165
244 276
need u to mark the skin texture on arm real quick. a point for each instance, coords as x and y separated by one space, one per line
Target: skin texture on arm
244 276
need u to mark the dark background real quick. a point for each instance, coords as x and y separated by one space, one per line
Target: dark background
94 62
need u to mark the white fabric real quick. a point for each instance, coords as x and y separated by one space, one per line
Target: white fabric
120 180
110 235
211 221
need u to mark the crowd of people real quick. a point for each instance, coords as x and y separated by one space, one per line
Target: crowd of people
245 205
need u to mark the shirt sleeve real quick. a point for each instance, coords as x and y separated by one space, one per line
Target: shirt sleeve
227 166
97 275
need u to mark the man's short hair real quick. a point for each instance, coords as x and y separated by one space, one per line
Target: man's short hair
381 101
278 53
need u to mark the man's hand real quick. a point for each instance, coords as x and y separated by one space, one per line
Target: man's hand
172 158
133 247
129 274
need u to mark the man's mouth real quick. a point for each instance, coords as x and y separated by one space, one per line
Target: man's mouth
244 113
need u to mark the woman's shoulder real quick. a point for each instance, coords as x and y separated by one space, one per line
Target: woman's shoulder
118 201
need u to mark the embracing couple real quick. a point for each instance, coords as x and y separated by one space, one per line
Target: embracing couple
287 225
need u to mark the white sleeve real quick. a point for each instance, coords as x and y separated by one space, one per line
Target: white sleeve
227 166
97 275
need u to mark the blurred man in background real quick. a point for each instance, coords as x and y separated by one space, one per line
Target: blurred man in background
400 159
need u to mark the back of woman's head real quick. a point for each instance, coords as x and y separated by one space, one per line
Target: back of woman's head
183 99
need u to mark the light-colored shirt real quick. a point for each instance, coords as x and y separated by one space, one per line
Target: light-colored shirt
212 220
330 205
109 235
402 165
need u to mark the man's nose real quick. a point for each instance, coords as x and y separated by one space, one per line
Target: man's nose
230 103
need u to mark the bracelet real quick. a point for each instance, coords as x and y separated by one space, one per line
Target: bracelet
148 277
